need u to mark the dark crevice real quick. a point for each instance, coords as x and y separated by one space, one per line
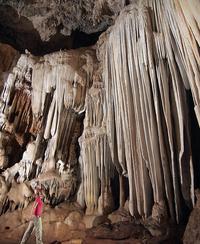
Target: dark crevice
195 139
127 2
81 39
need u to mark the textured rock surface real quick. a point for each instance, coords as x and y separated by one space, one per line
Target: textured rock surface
57 230
146 103
48 25
54 228
48 16
107 126
121 215
45 99
8 58
192 232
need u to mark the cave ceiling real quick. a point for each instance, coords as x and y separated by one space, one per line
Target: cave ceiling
47 26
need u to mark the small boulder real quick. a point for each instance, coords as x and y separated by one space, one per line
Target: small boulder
74 220
192 232
120 215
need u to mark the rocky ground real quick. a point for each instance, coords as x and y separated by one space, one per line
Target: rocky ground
67 224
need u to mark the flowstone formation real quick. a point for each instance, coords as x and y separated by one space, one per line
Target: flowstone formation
148 63
108 126
42 107
97 168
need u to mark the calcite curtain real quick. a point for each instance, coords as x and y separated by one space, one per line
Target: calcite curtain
42 106
130 89
151 56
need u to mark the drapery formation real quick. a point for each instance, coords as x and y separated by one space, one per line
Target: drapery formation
150 54
95 159
42 106
136 115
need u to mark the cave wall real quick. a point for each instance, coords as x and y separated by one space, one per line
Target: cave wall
116 111
42 108
8 59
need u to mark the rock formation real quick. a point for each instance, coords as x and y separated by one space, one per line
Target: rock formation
42 105
191 234
96 163
8 59
145 73
106 126
51 25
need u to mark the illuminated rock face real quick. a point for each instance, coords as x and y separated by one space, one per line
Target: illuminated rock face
149 58
97 168
115 112
8 59
42 105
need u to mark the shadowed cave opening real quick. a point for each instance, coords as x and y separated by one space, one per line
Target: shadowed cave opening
81 39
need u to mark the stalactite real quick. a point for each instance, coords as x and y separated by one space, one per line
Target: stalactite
44 98
96 164
136 116
147 61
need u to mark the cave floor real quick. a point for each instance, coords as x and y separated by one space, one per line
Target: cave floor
66 224
87 241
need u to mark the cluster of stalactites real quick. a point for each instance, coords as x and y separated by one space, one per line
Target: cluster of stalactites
150 54
16 86
95 159
45 97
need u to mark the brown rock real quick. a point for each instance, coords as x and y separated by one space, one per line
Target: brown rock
192 232
120 216
8 58
13 224
74 220
75 241
88 220
93 220
119 231
10 221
